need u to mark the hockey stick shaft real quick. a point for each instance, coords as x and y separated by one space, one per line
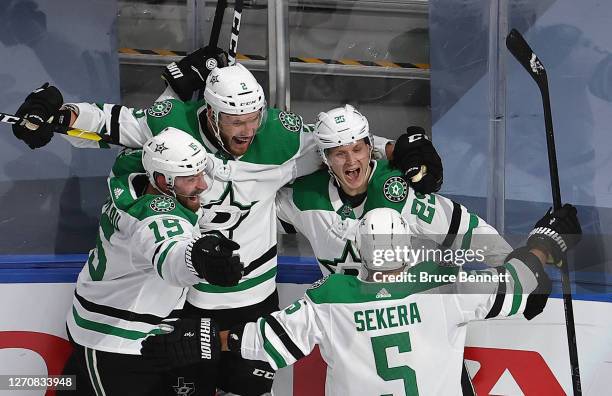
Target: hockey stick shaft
233 46
217 22
528 59
57 128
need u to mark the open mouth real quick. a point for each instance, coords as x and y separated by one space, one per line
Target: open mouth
352 174
242 140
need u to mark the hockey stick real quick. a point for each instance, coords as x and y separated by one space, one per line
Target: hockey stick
233 46
215 31
519 48
61 129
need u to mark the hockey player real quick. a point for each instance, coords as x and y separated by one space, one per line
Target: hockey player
148 251
264 149
404 337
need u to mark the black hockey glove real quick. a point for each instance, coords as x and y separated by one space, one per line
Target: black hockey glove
189 74
182 342
556 232
39 108
212 258
412 150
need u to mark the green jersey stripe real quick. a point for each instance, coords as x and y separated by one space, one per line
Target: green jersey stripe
247 284
162 258
269 348
467 238
518 290
109 329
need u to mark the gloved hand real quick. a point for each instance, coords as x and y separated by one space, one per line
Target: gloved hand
39 108
556 232
189 74
212 258
182 342
412 150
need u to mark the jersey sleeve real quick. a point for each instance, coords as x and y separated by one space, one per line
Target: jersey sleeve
453 226
122 125
287 213
379 146
283 337
520 286
163 240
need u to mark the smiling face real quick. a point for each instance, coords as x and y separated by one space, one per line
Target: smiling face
187 189
351 165
237 131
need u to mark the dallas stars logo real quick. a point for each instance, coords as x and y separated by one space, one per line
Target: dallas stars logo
290 121
228 199
162 204
214 79
159 148
395 189
160 109
183 388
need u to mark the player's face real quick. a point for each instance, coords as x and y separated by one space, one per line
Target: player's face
238 131
188 190
350 164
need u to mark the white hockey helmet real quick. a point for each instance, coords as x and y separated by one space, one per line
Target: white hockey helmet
340 127
380 231
173 153
233 90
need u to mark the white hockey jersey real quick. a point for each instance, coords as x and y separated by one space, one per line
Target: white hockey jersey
403 338
312 205
137 273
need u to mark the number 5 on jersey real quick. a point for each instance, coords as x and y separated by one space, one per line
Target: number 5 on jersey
380 345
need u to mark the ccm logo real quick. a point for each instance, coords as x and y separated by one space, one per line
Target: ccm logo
263 373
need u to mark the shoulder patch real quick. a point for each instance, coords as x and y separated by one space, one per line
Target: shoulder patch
395 189
160 109
318 283
162 204
290 121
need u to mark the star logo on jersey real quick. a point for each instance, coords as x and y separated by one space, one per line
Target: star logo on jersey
183 388
160 148
228 198
290 121
383 293
162 204
213 80
160 109
395 189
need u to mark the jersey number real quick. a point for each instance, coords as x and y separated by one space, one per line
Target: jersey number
380 345
170 228
424 210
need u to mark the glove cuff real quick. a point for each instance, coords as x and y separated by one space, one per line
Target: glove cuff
234 339
188 261
550 234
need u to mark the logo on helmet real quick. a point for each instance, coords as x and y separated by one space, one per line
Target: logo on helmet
162 204
290 121
160 109
395 189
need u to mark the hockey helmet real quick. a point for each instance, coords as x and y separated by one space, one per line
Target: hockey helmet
173 153
340 127
380 232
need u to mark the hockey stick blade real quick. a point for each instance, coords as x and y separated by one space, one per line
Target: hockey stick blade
523 53
233 46
61 129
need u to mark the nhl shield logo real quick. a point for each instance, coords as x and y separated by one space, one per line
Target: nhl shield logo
291 121
160 109
162 204
395 189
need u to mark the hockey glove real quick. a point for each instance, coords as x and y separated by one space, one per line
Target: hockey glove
39 108
412 150
182 342
189 74
234 339
211 257
556 232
